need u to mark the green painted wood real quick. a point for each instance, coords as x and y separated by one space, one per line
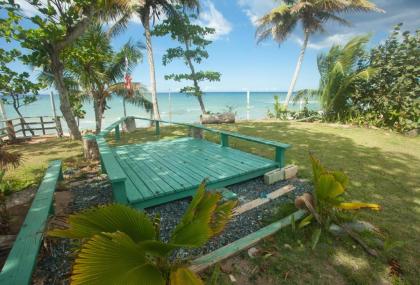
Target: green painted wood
243 243
21 261
178 166
224 139
157 128
117 133
280 159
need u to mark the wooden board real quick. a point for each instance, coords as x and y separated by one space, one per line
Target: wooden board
22 258
233 248
163 171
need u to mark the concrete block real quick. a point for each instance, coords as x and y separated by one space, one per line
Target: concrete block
290 171
273 176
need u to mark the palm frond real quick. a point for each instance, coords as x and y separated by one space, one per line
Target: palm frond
9 159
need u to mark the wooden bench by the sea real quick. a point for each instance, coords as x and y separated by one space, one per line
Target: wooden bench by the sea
148 174
21 261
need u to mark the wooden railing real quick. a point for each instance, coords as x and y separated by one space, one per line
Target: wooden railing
279 147
29 127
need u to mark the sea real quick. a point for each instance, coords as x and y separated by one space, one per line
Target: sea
176 107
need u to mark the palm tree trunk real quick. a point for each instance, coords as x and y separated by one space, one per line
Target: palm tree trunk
146 24
96 108
65 107
297 69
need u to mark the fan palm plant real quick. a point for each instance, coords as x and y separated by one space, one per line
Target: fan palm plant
121 245
280 22
339 72
100 70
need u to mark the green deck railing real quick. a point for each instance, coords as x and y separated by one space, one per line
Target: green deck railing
279 147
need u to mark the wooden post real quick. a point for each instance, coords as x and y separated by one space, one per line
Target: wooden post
130 124
3 115
90 147
10 130
117 133
280 156
224 139
58 126
22 125
42 125
157 128
196 133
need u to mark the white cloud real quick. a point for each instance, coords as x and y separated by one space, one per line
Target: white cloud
28 9
212 18
337 39
255 9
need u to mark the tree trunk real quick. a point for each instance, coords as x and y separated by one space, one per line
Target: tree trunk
198 93
16 107
146 24
97 115
297 70
65 107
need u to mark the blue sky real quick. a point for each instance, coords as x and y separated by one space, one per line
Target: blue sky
265 67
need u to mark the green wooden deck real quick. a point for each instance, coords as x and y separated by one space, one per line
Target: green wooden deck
163 171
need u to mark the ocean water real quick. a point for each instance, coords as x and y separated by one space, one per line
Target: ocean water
175 107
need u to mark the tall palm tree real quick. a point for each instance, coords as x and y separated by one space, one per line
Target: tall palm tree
149 10
280 22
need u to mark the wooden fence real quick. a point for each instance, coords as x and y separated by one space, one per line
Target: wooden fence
30 126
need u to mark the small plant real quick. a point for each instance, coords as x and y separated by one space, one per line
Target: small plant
327 204
279 110
121 245
7 159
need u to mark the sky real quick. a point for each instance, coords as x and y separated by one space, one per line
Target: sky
268 66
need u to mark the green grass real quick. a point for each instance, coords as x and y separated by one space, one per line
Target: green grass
35 158
383 167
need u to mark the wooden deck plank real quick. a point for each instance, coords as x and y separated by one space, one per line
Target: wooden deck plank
162 171
141 172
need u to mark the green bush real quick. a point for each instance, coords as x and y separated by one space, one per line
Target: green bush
391 97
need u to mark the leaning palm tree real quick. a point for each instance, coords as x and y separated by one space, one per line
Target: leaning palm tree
339 73
280 22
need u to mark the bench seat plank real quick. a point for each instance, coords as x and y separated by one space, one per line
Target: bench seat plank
22 258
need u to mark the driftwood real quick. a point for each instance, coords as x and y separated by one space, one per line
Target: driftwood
90 147
218 118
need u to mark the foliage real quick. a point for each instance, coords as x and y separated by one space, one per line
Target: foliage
339 74
98 71
122 245
7 159
55 26
194 40
391 97
280 22
327 203
279 110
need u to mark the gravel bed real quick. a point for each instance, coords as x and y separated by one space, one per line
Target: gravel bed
54 264
56 257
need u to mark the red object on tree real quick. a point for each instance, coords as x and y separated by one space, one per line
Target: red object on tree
127 81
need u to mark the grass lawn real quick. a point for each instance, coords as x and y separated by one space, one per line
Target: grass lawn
383 167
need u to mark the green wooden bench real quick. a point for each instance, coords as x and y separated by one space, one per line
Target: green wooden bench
22 258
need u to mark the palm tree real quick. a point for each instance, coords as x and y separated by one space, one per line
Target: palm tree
280 22
149 10
99 71
338 70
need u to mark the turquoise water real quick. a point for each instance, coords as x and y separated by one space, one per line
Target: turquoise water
175 107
